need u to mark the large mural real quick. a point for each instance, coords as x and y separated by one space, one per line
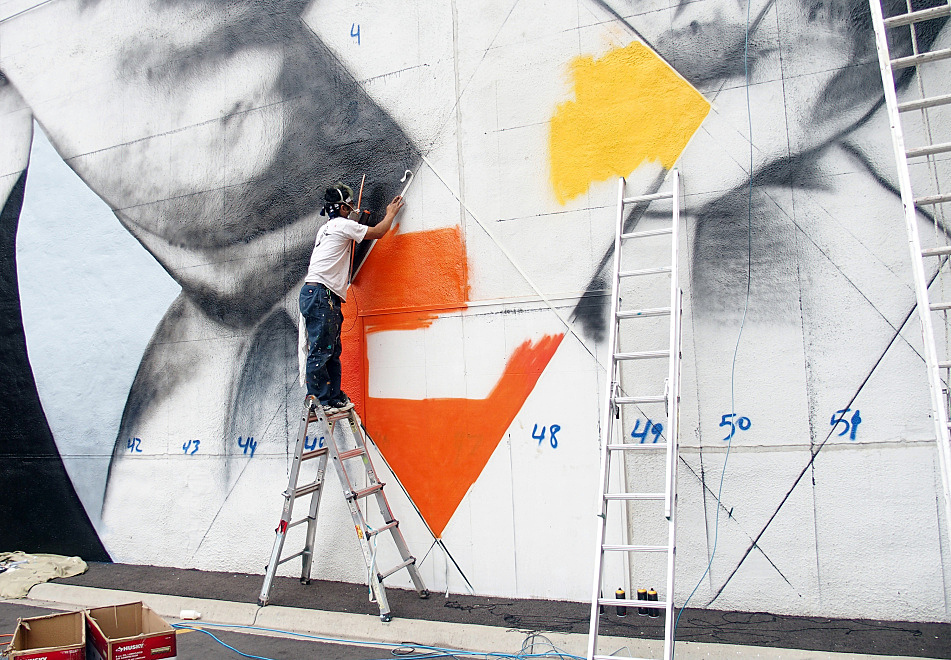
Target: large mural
161 170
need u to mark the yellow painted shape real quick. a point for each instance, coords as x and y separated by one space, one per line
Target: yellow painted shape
629 107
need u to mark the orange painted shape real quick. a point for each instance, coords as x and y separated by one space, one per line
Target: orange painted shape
424 273
406 282
352 358
439 447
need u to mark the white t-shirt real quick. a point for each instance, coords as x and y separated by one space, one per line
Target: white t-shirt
330 260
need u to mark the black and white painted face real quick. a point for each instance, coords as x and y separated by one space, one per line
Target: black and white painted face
828 45
209 126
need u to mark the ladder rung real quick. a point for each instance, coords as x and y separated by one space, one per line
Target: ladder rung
933 199
640 445
635 496
617 602
936 252
358 494
642 355
408 562
648 198
634 548
944 365
624 400
297 522
921 58
645 271
918 16
643 313
940 306
929 102
288 558
307 455
344 455
930 150
309 488
619 657
373 532
312 417
648 232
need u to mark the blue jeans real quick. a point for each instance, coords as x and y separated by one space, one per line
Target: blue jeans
322 314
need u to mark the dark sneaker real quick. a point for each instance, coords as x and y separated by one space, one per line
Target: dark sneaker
341 406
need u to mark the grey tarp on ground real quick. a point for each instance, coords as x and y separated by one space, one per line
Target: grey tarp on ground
23 571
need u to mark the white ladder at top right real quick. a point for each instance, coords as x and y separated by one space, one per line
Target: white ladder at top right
913 205
661 514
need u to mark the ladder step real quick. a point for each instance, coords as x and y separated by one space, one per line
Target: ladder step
373 532
359 494
309 488
649 232
634 548
940 306
312 417
930 102
289 557
944 365
645 271
918 16
642 355
921 58
617 602
648 198
408 562
619 657
936 252
930 150
625 400
297 522
640 445
635 496
933 199
344 455
643 313
307 455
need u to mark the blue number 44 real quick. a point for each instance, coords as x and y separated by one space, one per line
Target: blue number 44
248 445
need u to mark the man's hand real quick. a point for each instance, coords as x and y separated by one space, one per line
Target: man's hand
379 230
394 207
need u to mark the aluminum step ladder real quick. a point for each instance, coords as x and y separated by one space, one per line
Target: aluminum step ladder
934 66
620 407
344 445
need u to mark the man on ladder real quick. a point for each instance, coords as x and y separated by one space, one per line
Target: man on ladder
325 290
344 445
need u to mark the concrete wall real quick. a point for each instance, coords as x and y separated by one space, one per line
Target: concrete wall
175 154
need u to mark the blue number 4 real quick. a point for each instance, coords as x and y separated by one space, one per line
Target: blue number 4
355 34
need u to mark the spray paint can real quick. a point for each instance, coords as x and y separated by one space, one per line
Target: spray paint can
653 611
620 595
642 595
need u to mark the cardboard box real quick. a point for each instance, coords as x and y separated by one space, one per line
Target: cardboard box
52 637
128 632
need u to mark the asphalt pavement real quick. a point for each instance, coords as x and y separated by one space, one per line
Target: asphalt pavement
471 625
